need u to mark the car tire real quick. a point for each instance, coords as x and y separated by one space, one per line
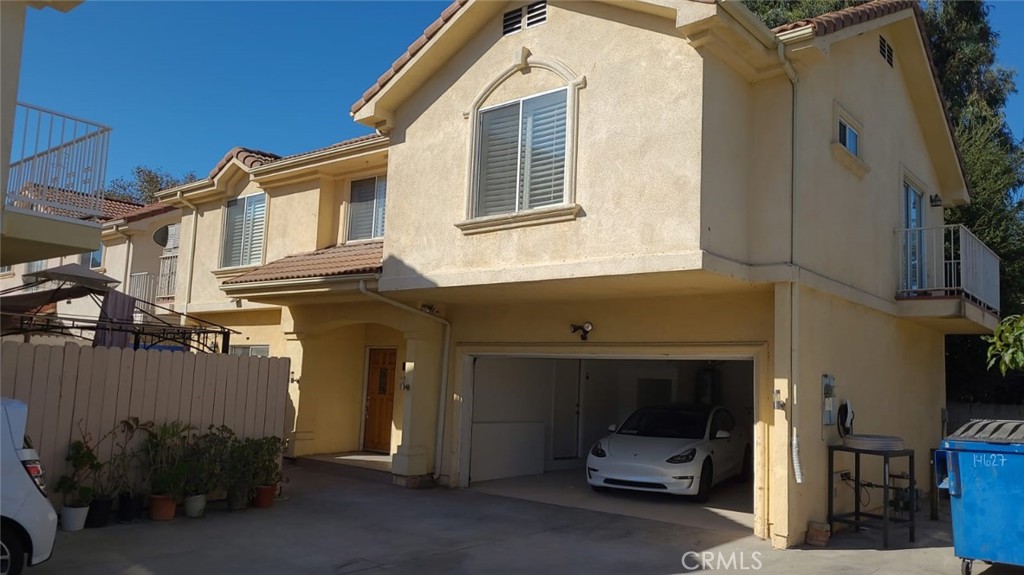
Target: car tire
747 471
707 476
13 549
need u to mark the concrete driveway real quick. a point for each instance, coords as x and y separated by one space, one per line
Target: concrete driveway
352 522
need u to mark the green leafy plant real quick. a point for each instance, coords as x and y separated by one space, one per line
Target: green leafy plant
83 464
268 460
163 450
1006 345
239 474
125 464
204 460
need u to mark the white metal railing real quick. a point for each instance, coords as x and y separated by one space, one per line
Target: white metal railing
167 280
58 163
142 287
947 260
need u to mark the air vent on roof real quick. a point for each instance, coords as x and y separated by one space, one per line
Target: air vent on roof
885 49
527 16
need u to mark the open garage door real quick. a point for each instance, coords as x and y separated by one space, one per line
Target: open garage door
535 420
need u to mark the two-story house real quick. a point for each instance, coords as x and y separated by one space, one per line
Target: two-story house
43 155
577 208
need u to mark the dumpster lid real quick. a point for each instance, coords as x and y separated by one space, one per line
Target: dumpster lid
991 431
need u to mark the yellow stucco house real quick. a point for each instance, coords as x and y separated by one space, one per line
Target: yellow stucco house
735 213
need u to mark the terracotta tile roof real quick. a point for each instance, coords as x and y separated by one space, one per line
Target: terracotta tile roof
411 51
110 208
835 21
341 144
361 258
248 157
149 211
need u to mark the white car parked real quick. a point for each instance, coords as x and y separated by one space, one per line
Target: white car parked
677 449
29 523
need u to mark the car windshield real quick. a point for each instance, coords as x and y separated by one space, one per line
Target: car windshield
672 422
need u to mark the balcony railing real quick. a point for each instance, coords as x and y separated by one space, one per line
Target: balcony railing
142 286
58 163
947 261
167 280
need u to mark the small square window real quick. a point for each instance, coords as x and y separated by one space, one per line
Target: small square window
849 138
92 260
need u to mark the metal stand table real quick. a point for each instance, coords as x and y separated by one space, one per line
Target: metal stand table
857 518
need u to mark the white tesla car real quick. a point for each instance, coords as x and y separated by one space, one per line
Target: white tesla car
677 449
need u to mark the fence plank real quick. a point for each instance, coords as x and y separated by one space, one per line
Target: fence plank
163 387
124 386
108 412
198 385
256 371
138 384
280 424
23 378
270 419
149 391
37 391
82 391
51 408
231 390
220 391
97 385
188 376
174 385
209 391
241 390
65 414
8 367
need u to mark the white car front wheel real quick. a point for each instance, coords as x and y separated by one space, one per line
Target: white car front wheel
12 554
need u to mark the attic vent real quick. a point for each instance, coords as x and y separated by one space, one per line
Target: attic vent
527 16
885 49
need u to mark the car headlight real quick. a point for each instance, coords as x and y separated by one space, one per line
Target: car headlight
684 457
598 451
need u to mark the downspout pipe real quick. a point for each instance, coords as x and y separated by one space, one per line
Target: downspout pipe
442 401
794 357
191 251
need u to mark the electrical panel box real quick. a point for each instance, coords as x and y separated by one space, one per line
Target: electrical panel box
828 394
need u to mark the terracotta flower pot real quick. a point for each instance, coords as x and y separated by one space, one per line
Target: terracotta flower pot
161 507
264 496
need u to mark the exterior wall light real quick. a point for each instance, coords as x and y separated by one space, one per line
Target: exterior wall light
935 200
582 329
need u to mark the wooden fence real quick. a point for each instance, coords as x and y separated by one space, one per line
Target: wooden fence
92 388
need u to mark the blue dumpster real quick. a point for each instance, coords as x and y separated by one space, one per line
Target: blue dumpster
982 466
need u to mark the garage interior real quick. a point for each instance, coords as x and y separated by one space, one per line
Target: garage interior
536 418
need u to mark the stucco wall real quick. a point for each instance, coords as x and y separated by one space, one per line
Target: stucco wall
893 373
846 225
638 154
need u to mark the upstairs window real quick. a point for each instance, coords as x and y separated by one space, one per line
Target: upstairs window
244 230
366 208
533 14
848 137
521 155
92 260
250 350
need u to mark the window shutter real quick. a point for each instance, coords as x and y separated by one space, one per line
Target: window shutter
255 220
379 207
173 238
360 209
498 160
543 165
234 226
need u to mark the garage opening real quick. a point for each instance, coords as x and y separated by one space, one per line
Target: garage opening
535 420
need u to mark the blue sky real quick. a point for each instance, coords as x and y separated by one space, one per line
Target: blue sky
181 83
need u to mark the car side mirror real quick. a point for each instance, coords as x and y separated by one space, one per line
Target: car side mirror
612 427
722 434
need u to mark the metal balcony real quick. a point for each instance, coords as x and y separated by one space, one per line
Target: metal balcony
58 163
947 261
168 278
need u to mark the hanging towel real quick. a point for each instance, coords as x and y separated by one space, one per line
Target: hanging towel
118 309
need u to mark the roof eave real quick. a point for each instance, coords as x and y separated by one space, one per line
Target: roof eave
296 286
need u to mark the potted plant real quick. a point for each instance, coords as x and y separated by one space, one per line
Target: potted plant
102 505
82 462
126 468
163 449
267 470
239 473
202 461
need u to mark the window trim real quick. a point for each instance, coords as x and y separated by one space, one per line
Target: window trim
853 162
348 208
568 209
226 270
103 255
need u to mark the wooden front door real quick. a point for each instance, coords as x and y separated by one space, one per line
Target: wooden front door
380 399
